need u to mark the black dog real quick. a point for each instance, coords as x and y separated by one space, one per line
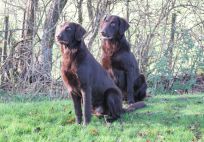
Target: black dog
119 61
86 80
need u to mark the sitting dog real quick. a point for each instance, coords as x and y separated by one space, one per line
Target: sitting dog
86 80
119 61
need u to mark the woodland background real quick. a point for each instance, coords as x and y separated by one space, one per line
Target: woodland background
166 37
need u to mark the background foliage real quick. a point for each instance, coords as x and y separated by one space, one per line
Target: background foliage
166 37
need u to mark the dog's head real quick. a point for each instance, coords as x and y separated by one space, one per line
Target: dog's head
113 27
70 34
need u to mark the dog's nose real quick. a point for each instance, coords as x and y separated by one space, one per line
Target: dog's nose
103 33
59 36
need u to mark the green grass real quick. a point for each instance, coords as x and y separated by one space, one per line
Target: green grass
166 118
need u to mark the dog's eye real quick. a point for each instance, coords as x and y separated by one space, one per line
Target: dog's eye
113 24
68 29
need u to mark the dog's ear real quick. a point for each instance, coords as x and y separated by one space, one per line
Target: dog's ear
123 26
80 32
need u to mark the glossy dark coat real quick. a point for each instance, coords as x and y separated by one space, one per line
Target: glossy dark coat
89 85
119 61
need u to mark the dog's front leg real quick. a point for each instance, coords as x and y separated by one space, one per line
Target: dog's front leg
77 107
86 95
130 86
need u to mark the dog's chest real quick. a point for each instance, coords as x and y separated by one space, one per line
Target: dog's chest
116 62
73 79
69 72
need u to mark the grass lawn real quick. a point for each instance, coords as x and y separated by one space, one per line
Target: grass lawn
166 118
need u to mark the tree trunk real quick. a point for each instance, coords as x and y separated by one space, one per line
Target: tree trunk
1 75
28 34
145 53
6 20
95 18
5 66
127 18
0 55
45 58
171 42
79 8
90 11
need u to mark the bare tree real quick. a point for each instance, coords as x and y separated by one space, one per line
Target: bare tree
158 46
171 42
90 11
95 17
80 10
6 27
127 18
45 58
6 23
28 35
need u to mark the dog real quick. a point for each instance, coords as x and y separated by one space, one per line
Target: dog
119 61
87 82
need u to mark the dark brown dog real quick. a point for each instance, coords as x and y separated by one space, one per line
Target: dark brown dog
86 80
140 85
119 61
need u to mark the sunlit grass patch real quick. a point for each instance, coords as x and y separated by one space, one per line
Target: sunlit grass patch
166 118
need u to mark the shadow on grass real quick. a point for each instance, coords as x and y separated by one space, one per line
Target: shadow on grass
184 112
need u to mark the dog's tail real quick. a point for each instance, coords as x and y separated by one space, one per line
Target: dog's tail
134 106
